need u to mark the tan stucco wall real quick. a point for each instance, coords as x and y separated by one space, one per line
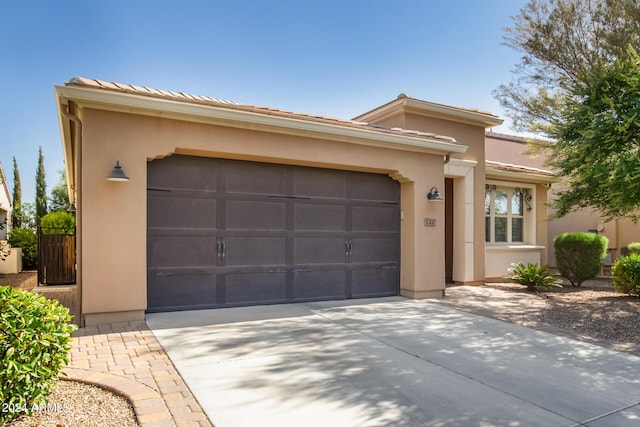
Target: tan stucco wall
499 150
113 214
473 137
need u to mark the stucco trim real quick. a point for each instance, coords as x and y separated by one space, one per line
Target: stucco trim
432 109
492 173
138 104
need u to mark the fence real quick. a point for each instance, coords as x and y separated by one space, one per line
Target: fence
56 258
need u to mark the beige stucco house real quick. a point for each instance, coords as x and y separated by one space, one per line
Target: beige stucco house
225 204
620 232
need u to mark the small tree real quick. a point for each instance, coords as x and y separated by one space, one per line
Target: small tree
16 213
41 189
59 200
61 222
580 256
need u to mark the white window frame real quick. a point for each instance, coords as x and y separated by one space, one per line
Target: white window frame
528 226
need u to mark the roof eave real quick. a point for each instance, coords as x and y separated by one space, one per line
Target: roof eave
493 173
140 104
432 109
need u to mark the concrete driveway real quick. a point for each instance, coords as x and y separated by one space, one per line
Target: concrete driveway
392 361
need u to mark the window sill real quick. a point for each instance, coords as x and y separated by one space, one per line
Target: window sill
512 247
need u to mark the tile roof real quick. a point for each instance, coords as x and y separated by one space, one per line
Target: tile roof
508 167
214 102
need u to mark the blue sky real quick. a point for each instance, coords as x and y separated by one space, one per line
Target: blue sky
333 58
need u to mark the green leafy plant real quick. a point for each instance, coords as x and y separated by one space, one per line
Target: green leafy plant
631 248
26 239
626 274
59 222
580 256
533 276
35 340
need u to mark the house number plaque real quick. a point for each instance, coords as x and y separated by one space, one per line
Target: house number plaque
430 222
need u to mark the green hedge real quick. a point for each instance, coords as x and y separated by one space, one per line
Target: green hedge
631 248
580 256
626 274
35 340
26 239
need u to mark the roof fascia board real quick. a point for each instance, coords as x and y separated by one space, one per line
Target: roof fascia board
492 173
431 109
140 104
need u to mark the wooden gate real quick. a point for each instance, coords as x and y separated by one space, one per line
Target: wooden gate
56 259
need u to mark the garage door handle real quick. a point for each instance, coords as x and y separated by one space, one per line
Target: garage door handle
221 248
349 247
389 267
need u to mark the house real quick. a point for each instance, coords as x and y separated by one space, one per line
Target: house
211 203
620 232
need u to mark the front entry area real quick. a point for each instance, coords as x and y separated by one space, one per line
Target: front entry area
224 233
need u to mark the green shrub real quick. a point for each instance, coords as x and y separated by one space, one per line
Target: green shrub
533 276
580 256
631 248
27 240
626 274
60 222
35 337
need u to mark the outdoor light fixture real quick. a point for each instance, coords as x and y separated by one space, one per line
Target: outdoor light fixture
117 174
72 208
434 195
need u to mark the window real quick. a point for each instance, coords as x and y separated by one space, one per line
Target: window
505 213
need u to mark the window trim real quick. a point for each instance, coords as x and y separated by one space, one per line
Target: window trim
529 215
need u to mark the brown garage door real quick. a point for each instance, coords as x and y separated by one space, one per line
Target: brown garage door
227 233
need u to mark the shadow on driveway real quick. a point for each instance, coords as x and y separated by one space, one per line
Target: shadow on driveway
392 361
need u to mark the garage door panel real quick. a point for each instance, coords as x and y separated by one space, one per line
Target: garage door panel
255 215
375 281
374 187
185 250
255 251
319 250
319 217
314 285
183 172
369 249
252 288
255 178
375 218
174 291
319 183
181 212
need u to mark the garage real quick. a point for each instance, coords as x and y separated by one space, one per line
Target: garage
224 233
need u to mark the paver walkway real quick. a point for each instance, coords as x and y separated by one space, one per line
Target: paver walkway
127 358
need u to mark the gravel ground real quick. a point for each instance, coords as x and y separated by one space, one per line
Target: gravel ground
593 312
74 404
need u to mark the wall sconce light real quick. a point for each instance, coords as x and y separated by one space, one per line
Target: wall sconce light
72 208
434 195
117 174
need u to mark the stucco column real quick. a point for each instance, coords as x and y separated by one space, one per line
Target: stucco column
422 234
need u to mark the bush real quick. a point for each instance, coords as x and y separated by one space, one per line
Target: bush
580 255
26 239
35 337
631 248
60 222
533 276
626 274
